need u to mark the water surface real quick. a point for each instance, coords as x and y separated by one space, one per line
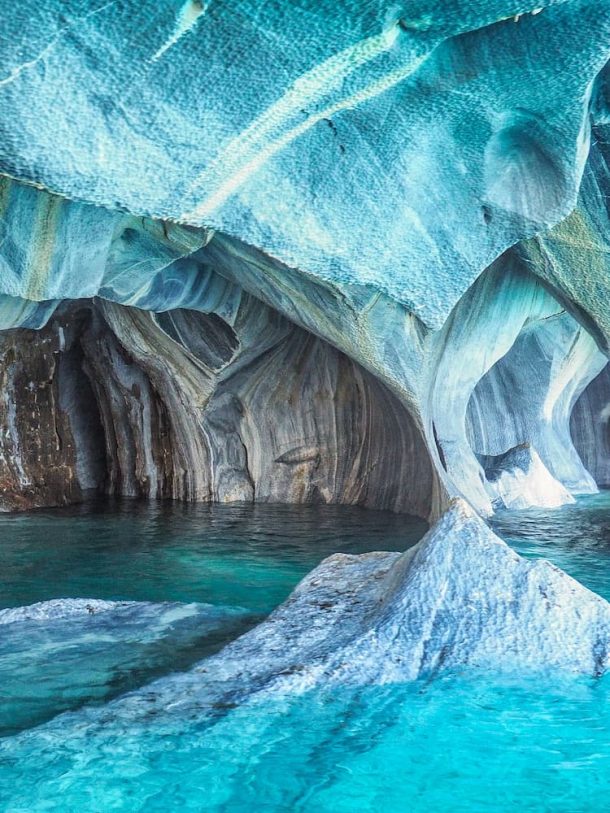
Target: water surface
231 555
460 742
574 537
227 565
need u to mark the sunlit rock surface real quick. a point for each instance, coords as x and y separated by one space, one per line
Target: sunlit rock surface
461 599
520 479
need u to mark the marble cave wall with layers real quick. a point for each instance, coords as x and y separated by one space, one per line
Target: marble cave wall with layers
330 253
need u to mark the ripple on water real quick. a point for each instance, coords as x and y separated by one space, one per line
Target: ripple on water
461 742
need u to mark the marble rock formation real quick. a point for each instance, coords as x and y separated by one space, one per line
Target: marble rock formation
521 480
402 146
459 599
339 275
185 405
590 427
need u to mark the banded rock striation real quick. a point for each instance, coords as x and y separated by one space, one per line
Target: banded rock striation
184 405
345 274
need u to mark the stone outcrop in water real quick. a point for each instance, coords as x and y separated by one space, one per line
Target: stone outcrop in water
520 480
343 276
460 599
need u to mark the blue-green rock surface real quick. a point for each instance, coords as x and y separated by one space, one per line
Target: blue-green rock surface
397 145
420 185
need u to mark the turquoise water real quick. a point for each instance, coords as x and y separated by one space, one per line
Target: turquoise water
230 555
574 537
462 742
458 744
237 563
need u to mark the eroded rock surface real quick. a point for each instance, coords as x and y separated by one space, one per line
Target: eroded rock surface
381 241
590 427
186 405
459 599
521 480
323 157
63 653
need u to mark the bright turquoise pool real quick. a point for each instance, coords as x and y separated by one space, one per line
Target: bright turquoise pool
462 742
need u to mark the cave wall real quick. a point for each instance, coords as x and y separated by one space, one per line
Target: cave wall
51 446
276 387
327 277
183 405
528 396
590 428
251 406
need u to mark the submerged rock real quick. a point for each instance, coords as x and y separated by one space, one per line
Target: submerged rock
521 480
60 654
459 600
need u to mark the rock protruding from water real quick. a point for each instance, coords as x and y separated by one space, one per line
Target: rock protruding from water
68 652
461 597
521 480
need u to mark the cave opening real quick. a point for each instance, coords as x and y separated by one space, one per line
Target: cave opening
508 368
534 420
182 405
